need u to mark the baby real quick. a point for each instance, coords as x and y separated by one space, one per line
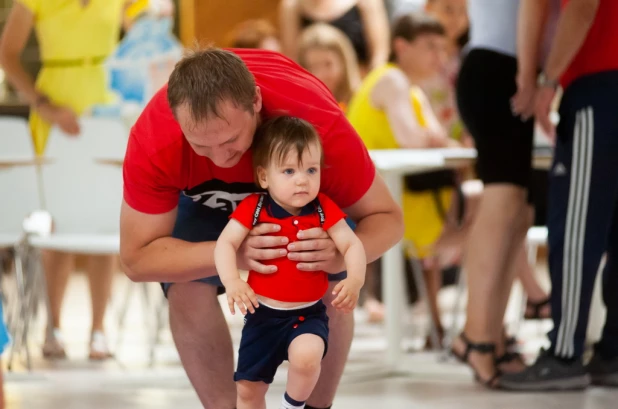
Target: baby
287 319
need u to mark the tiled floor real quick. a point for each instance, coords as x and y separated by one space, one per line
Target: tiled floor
129 382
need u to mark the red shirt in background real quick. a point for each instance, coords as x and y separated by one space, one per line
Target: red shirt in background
160 164
288 283
600 49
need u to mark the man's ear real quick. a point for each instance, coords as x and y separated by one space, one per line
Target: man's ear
257 100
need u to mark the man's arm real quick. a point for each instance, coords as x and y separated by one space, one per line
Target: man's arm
530 24
149 253
530 28
573 26
379 220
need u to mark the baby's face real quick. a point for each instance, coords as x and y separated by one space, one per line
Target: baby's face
293 183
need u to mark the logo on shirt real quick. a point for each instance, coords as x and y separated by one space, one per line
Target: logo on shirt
560 169
220 195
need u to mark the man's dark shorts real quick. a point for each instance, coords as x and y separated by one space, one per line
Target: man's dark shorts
197 223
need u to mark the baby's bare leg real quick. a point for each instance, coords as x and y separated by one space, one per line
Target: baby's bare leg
305 355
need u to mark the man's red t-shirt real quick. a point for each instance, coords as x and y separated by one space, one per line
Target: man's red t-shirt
160 164
288 283
600 49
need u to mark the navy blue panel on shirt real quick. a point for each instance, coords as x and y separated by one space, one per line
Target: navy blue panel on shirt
275 210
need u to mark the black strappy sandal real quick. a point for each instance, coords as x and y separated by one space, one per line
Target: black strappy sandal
509 357
536 308
481 348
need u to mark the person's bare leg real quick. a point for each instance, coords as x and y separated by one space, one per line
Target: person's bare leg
251 395
488 251
100 274
2 399
100 269
204 343
305 356
341 331
57 266
433 280
373 307
534 292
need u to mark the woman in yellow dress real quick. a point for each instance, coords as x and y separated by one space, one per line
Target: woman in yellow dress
75 37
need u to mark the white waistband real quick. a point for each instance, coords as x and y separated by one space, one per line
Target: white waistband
290 309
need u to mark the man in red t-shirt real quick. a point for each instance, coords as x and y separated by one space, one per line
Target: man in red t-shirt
583 198
186 168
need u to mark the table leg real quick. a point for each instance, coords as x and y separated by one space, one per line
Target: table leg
393 283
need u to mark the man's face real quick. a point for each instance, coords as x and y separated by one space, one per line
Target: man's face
224 139
425 55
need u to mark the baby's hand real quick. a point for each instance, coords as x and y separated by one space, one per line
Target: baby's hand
347 294
239 292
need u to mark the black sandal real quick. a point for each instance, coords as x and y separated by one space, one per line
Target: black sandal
481 348
508 357
536 308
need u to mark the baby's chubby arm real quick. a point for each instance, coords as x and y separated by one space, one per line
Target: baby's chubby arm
237 290
350 246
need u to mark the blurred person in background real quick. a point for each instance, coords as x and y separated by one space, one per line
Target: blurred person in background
327 53
391 111
75 37
453 15
364 22
495 253
583 185
255 34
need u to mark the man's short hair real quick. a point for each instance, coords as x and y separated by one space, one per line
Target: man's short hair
205 77
412 25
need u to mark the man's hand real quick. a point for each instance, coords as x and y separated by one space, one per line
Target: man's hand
522 103
258 247
316 251
239 292
346 293
544 98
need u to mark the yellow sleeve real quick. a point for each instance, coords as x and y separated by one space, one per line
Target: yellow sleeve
33 5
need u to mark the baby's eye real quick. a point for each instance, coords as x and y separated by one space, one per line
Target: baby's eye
289 171
312 171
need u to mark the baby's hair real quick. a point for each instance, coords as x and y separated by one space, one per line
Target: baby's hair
279 136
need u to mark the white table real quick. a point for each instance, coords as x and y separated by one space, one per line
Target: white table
13 161
393 165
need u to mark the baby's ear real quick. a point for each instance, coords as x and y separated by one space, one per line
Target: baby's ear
261 174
